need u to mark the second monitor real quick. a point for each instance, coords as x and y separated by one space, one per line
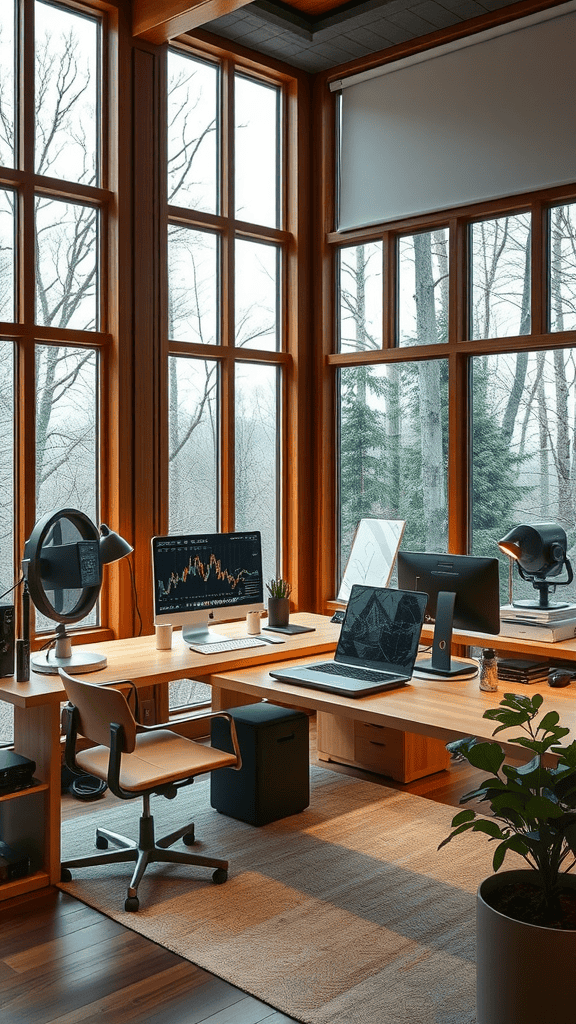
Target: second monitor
463 591
204 578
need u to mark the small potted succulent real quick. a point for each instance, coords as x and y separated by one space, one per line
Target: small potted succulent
278 602
526 918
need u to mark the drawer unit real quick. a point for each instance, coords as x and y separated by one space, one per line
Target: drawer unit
403 756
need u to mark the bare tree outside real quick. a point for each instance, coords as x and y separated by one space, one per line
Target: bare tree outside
195 302
65 92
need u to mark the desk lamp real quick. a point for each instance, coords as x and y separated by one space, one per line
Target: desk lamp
62 569
540 553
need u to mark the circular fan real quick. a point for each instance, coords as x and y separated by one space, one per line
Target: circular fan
62 564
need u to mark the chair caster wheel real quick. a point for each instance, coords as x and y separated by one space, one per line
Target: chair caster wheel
132 903
65 875
219 876
101 843
189 838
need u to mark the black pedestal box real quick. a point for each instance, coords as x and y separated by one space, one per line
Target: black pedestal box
274 780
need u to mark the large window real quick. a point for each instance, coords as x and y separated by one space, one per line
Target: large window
52 304
462 420
226 267
225 272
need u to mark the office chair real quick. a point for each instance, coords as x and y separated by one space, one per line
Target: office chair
137 760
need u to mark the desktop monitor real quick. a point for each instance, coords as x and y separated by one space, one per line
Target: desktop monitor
204 578
463 591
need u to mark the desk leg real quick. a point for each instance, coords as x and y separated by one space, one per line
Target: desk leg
37 736
222 699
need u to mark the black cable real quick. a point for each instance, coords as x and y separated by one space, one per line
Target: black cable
9 591
135 593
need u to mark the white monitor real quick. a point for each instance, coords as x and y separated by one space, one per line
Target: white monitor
371 560
200 579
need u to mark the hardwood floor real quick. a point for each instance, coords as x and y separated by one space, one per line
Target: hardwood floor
64 963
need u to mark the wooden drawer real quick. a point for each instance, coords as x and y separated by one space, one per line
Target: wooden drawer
403 756
378 747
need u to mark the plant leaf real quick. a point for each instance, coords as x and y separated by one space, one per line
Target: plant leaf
462 816
487 756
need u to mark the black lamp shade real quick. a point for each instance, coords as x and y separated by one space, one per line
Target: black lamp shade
540 550
112 545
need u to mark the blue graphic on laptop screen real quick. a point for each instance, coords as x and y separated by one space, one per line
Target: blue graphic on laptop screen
384 626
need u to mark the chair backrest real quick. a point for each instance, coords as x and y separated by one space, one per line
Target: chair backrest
98 706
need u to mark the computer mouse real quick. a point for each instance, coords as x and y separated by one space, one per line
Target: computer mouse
560 677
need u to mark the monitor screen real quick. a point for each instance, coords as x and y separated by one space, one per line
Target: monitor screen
463 590
204 578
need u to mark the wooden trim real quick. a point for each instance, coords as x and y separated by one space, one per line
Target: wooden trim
223 352
117 385
158 21
459 454
390 291
487 346
228 313
539 263
323 267
298 505
440 218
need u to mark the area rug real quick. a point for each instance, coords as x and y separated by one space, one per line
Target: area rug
343 914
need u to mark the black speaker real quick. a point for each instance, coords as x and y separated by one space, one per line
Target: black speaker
6 639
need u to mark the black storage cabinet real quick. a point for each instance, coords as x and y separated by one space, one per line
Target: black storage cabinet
274 780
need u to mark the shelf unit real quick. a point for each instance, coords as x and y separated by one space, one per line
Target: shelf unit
37 736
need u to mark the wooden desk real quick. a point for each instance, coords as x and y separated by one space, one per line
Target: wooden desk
441 710
37 715
435 711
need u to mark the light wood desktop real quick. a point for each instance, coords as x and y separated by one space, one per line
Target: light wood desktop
435 711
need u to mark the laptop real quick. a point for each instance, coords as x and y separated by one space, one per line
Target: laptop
377 647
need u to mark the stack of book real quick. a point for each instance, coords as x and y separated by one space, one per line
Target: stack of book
519 670
546 624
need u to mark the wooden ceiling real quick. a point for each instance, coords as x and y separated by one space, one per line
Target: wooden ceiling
161 20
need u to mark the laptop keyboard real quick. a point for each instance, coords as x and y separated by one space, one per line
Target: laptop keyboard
368 674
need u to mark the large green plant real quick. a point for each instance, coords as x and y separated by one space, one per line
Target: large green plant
534 805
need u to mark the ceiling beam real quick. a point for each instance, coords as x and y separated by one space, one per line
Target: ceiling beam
158 21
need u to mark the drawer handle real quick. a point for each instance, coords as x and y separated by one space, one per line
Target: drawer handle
376 744
283 739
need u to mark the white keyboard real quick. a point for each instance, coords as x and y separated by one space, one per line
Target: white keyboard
227 645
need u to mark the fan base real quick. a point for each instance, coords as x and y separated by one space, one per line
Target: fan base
79 661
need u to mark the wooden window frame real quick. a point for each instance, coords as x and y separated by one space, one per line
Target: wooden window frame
459 349
292 242
24 332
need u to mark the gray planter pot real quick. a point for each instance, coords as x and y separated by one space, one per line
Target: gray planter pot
278 611
525 972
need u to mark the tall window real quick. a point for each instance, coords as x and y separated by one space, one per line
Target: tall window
226 266
462 423
52 213
225 272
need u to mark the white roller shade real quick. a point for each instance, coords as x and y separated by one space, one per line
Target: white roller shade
494 117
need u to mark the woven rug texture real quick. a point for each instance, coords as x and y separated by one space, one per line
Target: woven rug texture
344 914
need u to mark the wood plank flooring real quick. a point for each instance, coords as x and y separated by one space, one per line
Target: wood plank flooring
64 963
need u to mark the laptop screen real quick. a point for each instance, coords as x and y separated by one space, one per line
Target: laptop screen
381 629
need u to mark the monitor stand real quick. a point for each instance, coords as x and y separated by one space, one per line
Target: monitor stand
201 634
441 664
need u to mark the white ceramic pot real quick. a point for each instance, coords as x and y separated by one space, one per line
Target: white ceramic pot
525 972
